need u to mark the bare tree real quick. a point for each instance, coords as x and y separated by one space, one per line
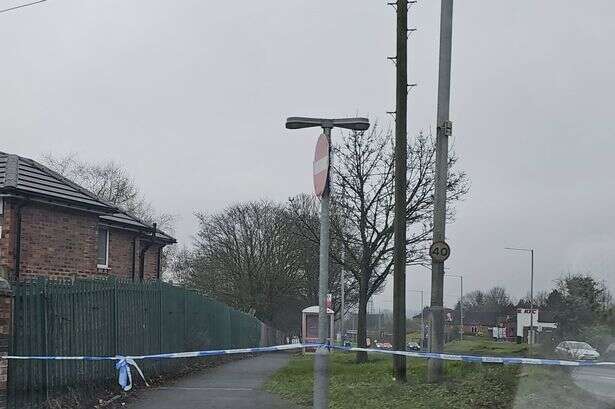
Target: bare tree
111 182
363 199
304 215
252 257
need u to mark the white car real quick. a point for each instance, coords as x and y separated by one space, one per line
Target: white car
577 350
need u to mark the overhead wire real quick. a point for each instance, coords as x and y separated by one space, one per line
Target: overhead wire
22 6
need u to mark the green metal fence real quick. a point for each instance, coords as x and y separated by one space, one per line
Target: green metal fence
113 317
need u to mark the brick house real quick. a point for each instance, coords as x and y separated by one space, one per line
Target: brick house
50 226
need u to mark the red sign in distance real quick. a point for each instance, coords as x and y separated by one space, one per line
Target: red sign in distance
321 165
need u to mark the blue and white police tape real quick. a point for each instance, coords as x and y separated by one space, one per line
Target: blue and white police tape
123 363
480 359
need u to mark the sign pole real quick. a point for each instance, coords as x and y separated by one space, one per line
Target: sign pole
444 130
321 360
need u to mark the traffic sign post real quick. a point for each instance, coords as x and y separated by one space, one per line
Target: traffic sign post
439 251
322 163
322 157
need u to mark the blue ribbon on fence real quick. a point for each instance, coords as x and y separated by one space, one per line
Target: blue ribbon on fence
123 363
124 374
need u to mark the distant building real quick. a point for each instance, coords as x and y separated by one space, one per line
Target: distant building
542 322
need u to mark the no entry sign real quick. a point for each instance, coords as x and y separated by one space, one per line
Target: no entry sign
321 165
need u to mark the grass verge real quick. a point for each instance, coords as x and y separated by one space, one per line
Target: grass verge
467 385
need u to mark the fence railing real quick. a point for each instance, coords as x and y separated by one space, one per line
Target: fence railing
113 317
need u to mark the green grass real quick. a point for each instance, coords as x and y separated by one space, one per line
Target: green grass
485 346
467 385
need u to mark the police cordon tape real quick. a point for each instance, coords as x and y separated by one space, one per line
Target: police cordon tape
480 359
123 363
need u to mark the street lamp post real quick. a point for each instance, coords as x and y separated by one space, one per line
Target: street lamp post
460 303
531 334
321 361
422 318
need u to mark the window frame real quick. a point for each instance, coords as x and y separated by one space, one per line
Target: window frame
106 265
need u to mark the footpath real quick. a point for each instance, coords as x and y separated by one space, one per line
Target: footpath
236 385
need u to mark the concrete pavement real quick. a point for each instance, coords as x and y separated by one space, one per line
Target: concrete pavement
236 385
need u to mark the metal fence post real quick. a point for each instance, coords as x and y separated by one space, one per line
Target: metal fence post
116 331
44 336
6 334
161 316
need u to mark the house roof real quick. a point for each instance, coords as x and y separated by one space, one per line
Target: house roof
30 178
128 220
25 177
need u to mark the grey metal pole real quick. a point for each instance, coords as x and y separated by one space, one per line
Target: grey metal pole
461 309
422 322
444 129
401 163
531 340
342 303
321 360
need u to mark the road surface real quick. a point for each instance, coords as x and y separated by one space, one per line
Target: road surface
236 385
598 381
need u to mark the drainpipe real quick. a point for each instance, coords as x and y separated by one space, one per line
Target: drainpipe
142 255
17 252
134 257
158 263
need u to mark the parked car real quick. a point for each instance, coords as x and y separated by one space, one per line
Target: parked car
576 350
384 345
413 346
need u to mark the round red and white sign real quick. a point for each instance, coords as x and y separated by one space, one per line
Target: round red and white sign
321 165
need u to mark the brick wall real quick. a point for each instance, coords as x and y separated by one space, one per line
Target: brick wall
7 240
57 243
151 263
62 243
120 253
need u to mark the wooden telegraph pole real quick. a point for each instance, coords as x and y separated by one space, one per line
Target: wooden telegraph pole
401 157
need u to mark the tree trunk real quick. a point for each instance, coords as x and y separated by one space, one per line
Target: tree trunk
362 324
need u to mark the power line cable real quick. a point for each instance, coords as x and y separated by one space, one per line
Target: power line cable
21 6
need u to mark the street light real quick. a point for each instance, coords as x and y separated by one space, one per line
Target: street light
531 251
422 318
460 303
355 124
321 361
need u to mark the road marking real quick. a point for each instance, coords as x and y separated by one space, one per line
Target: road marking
204 388
585 375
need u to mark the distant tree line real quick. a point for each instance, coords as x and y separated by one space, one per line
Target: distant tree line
581 306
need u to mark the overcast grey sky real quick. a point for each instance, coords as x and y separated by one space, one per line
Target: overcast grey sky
191 97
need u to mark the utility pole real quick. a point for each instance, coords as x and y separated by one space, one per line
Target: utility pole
401 158
444 130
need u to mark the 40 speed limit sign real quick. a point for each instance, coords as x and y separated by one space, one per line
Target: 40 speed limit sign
439 251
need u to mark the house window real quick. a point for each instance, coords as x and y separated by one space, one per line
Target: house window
103 247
